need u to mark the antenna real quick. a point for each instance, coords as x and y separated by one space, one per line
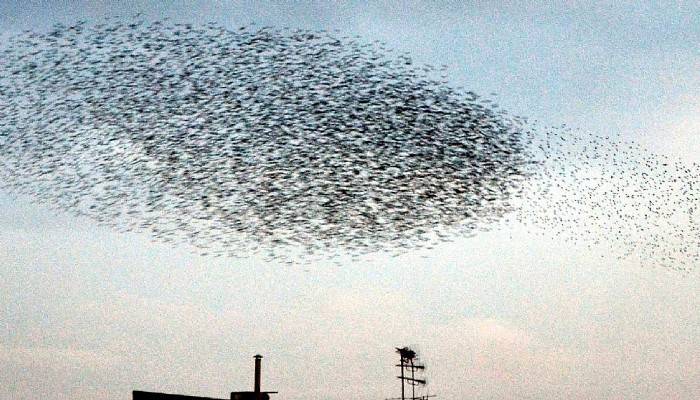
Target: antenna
408 364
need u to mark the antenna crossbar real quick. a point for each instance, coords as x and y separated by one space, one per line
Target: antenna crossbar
406 378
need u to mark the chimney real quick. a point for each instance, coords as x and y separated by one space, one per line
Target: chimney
257 357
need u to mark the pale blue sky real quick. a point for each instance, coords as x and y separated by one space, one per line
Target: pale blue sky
508 314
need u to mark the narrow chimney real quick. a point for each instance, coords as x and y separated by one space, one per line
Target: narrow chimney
257 357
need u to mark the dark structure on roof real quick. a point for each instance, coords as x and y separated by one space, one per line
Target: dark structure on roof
256 394
140 395
408 363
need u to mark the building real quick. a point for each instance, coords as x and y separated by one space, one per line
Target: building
256 394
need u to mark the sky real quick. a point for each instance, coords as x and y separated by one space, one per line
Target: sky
87 312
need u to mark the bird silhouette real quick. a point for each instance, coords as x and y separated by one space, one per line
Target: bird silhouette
262 139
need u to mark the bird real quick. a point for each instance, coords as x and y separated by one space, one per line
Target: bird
259 139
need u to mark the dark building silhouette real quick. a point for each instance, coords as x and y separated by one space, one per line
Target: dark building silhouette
256 394
249 395
139 395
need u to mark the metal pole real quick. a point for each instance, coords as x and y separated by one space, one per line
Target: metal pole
402 392
413 382
257 377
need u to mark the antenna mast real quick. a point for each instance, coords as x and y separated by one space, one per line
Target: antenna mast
408 363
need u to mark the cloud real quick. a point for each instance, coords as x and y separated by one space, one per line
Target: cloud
331 343
481 357
56 373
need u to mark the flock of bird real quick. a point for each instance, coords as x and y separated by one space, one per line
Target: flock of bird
616 196
270 140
